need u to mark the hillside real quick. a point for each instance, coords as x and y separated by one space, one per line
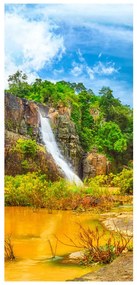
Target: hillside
83 123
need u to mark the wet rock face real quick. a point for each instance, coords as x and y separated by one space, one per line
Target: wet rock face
21 116
95 164
66 137
68 141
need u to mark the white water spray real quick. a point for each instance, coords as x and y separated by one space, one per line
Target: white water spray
52 148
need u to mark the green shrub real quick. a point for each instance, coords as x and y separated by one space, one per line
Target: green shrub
32 189
25 164
25 190
124 180
27 147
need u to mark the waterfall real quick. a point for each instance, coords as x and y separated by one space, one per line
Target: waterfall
52 148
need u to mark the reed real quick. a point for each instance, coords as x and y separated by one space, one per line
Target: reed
8 249
53 250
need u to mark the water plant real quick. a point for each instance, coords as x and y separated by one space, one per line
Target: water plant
95 251
98 246
8 249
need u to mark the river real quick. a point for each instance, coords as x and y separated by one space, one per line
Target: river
33 234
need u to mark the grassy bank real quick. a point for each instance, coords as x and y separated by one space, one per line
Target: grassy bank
32 189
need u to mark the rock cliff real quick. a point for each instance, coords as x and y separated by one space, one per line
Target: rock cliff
21 116
22 119
66 136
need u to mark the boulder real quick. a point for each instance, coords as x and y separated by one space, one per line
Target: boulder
95 164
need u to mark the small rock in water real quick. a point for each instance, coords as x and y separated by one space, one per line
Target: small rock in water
76 255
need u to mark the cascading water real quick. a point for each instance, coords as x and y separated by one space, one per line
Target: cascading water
52 148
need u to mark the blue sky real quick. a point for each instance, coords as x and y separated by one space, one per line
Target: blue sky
89 43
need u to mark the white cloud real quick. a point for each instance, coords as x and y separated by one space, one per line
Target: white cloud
90 72
81 58
29 45
78 13
77 69
104 69
98 69
58 71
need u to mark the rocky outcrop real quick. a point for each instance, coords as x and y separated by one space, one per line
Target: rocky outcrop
95 164
21 116
17 162
66 137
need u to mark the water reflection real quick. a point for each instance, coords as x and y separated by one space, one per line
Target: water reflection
33 237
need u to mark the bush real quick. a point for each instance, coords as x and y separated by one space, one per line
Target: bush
97 186
27 147
114 245
25 190
124 180
32 189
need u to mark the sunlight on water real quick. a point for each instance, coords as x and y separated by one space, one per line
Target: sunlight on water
31 232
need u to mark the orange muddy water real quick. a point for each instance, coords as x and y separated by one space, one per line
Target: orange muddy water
34 243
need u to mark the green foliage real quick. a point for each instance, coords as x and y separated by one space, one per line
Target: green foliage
110 138
30 131
124 180
86 138
27 147
111 131
25 190
18 84
75 113
32 189
25 164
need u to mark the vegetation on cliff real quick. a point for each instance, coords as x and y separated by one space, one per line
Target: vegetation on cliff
102 122
23 155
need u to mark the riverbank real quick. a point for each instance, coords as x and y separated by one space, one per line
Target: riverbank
121 269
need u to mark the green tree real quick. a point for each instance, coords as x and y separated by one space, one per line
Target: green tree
110 139
18 84
108 103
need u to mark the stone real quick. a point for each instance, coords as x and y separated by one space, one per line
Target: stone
95 164
76 255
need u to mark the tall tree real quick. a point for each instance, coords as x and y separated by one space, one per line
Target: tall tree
18 84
